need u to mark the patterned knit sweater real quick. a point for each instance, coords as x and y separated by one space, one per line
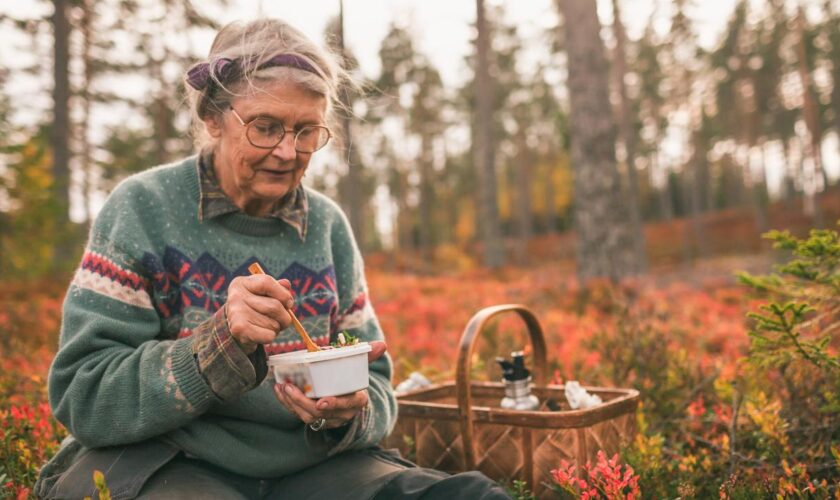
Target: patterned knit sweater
144 348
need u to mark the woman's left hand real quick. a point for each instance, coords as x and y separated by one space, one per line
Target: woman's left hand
336 410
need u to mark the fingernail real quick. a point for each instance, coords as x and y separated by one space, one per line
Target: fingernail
288 389
322 405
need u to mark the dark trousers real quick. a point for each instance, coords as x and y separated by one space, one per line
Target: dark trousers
373 473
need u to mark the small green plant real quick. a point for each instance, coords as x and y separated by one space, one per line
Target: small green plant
519 490
101 488
794 342
803 320
410 447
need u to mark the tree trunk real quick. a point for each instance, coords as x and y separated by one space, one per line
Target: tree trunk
404 226
763 190
59 135
754 185
696 193
550 209
483 148
708 199
835 100
426 198
788 185
666 211
86 160
159 111
811 115
604 240
353 194
522 207
665 205
628 139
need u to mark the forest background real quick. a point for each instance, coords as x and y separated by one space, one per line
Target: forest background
616 186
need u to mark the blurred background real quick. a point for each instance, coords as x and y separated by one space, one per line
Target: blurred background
724 117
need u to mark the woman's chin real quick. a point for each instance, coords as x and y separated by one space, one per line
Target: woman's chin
275 190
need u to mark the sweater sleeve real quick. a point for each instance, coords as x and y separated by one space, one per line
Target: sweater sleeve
115 379
357 317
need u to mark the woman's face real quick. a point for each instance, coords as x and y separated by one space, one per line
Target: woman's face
256 178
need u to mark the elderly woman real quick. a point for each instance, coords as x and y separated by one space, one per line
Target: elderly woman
161 373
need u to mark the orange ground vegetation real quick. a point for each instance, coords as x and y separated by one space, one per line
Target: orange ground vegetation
423 317
678 336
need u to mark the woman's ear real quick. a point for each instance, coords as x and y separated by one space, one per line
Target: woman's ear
213 124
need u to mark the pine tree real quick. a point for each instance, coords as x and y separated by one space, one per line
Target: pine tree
627 133
60 130
604 247
483 150
412 91
736 104
351 195
653 120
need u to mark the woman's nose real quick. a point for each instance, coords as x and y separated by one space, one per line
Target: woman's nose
286 149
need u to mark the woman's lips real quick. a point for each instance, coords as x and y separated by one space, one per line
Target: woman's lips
279 172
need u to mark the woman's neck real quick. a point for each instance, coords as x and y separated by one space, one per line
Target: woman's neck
250 205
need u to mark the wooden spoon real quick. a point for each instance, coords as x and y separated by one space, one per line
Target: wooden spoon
310 346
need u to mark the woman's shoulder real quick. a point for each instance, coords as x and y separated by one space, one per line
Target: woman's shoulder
322 204
158 178
150 191
326 215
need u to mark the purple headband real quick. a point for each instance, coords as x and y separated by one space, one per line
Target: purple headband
224 68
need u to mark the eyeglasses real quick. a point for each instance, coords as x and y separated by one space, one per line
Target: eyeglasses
265 133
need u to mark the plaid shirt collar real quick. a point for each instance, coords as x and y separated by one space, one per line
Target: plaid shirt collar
292 209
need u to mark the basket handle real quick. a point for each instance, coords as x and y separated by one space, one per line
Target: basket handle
462 371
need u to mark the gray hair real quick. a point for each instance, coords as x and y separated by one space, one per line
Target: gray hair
251 44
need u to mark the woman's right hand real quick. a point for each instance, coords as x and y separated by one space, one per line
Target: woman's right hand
256 309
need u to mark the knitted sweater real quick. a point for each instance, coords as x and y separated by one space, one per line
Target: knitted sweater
145 350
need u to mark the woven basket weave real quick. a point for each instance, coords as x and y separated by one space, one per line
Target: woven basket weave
458 426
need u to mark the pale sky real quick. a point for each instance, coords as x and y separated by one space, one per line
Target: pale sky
443 27
442 30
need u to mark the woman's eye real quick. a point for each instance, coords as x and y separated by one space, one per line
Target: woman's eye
266 127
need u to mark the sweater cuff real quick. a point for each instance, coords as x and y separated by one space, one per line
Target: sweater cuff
356 432
190 383
224 365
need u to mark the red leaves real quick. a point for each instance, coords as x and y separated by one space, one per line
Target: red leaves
28 437
607 479
423 317
29 322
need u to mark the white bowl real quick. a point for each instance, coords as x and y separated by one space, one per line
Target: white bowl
328 372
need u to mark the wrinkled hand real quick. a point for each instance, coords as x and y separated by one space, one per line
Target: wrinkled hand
337 410
256 309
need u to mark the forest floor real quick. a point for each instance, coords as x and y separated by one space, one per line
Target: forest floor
693 310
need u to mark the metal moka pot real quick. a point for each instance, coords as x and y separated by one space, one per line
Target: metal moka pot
517 380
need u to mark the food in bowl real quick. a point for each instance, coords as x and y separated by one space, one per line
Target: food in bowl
344 339
332 371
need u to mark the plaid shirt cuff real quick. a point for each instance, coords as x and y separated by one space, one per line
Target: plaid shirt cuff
224 365
345 437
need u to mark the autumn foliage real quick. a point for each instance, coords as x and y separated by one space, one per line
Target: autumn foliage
607 478
722 414
29 321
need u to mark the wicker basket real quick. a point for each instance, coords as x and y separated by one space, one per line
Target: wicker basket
458 425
